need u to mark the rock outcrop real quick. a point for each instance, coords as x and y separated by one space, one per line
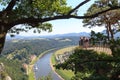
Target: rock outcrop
3 74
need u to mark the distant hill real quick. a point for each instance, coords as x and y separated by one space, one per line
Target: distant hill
115 35
72 34
58 35
50 36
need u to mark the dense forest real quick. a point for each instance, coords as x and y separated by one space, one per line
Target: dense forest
18 51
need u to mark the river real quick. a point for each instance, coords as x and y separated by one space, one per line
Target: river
43 67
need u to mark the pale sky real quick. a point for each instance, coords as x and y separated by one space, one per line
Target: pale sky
69 25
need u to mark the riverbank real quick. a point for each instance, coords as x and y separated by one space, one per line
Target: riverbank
54 70
64 74
31 74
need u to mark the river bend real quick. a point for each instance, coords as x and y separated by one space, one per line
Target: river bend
43 67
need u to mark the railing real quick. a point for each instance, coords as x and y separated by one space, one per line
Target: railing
99 46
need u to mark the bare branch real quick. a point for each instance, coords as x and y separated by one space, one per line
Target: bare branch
82 3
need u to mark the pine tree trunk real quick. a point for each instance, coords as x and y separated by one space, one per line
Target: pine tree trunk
3 32
2 41
107 31
111 32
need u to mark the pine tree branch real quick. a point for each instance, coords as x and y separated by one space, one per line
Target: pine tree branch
81 4
8 9
41 20
10 5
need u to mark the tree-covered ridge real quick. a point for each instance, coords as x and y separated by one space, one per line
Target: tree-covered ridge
17 53
23 49
12 68
43 43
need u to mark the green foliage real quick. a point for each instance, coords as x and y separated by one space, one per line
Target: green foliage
104 19
13 68
89 65
115 47
37 9
50 8
48 77
35 28
97 37
4 2
108 19
95 8
65 74
3 75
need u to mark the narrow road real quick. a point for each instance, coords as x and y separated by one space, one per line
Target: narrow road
43 67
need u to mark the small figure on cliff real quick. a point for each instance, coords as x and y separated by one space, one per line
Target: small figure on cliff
81 41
